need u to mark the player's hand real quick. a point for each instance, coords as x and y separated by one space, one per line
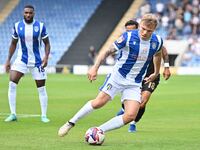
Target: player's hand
44 62
92 73
150 78
7 66
166 73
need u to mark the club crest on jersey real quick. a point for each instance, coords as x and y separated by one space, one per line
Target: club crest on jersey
109 86
120 40
153 45
36 28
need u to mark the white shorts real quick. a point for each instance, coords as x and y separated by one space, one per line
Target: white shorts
38 73
128 92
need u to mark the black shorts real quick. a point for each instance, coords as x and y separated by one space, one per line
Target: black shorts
151 86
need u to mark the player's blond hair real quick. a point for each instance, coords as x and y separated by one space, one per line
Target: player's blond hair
150 19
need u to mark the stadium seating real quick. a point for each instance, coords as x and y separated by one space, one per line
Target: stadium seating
179 20
64 20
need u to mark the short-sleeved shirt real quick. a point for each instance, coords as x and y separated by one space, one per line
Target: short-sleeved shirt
135 56
30 36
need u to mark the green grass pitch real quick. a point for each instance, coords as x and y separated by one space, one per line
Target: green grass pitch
171 120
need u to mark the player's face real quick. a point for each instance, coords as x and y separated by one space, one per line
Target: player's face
130 27
146 30
28 15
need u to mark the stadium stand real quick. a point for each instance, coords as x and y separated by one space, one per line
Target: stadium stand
191 57
3 4
63 19
96 31
177 18
180 20
73 29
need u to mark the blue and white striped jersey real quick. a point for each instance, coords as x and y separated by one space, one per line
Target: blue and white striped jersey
135 56
29 37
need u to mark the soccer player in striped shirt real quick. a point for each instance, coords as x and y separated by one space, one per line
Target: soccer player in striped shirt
28 33
138 48
147 88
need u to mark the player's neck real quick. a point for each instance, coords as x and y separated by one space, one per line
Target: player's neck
29 22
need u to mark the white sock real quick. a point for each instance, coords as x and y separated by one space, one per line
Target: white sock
43 100
132 122
112 124
86 109
12 97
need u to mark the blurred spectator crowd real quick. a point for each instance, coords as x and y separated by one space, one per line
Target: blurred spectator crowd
191 57
179 20
177 17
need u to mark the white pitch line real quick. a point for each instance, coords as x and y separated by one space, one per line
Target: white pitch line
21 115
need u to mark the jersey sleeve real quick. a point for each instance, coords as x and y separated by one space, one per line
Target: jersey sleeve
44 33
14 32
160 41
121 41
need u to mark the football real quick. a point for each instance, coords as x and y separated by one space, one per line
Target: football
94 136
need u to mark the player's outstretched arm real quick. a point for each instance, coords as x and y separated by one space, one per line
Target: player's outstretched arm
12 48
166 72
92 73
